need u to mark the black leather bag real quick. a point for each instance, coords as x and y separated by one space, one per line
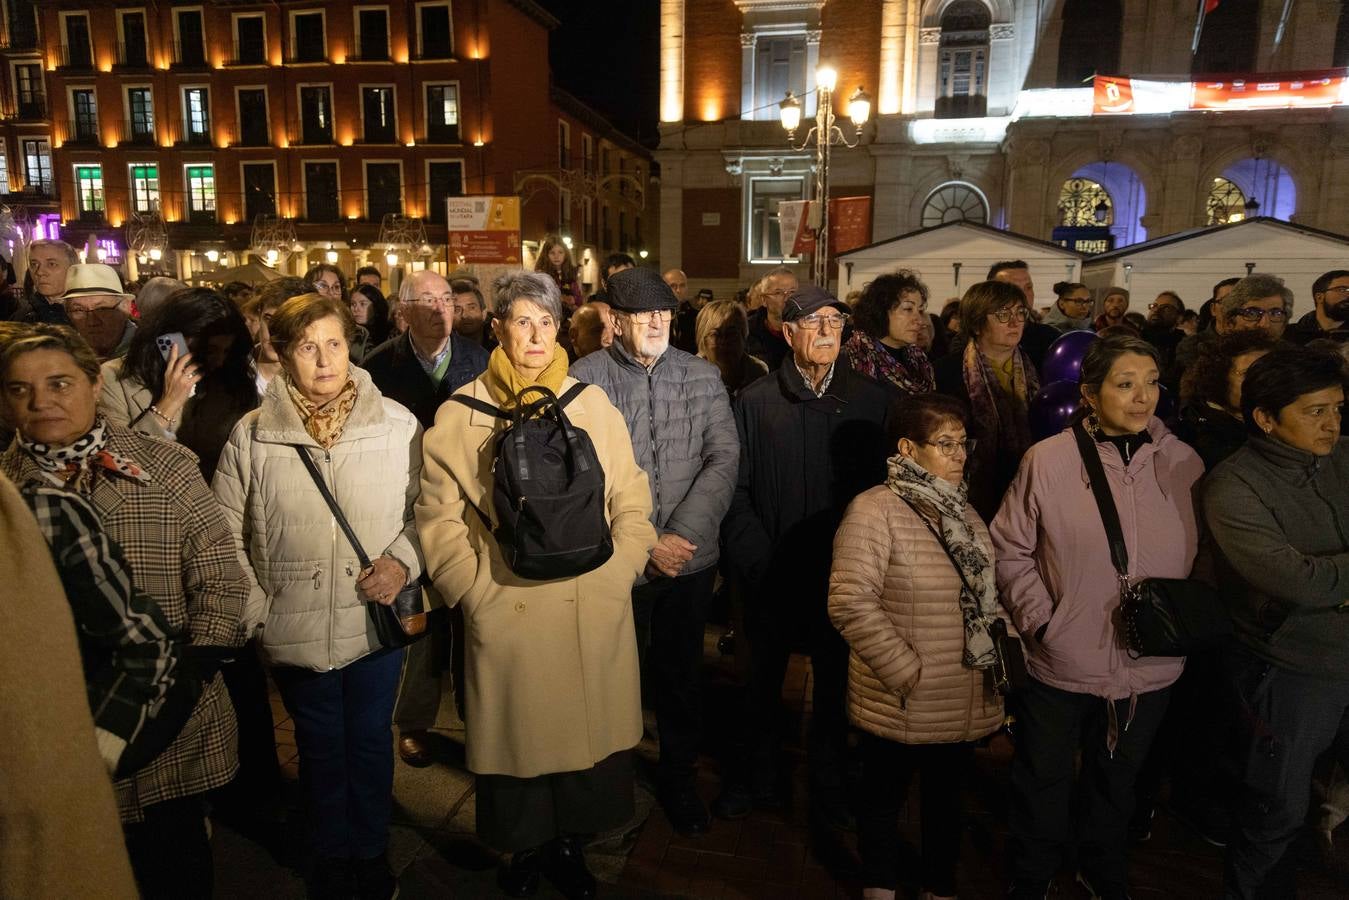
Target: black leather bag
1009 669
1158 616
404 621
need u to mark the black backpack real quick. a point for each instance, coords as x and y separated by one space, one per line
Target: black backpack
549 489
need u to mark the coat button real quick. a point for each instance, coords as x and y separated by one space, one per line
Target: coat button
519 606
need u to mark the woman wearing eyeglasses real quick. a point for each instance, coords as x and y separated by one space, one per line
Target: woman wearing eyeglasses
912 591
996 380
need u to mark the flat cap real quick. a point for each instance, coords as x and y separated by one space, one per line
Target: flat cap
640 290
809 299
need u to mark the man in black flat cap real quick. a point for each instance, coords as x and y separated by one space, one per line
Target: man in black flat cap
812 437
685 439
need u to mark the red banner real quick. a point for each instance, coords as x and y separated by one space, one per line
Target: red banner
849 225
1274 91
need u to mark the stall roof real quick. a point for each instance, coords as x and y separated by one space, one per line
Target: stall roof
1212 230
975 228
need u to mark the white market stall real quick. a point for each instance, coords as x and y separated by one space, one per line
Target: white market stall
1191 262
952 256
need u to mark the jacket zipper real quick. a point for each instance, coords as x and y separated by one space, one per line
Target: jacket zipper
332 592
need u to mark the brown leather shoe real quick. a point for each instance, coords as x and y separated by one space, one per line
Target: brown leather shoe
413 748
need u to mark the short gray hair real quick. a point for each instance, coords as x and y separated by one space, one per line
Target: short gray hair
156 291
407 286
521 284
1256 286
71 256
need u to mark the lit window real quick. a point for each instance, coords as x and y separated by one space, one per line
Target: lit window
442 113
197 115
765 194
144 189
201 193
4 173
141 107
377 114
37 165
954 201
89 189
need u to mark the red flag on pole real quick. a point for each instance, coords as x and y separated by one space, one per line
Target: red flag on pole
1211 5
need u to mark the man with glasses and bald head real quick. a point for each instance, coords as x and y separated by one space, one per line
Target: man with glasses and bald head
765 325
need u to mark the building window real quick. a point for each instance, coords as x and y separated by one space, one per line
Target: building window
383 189
564 211
77 53
606 238
1084 203
316 115
29 93
1226 203
963 61
623 231
588 154
308 43
4 171
253 131
250 40
89 191
196 115
954 201
765 194
442 113
200 193
588 220
131 47
1230 39
1090 40
563 145
259 190
37 165
144 188
372 33
377 115
1341 57
189 48
779 67
320 191
140 124
83 106
434 36
444 179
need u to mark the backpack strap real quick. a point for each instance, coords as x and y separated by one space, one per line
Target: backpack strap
477 405
571 394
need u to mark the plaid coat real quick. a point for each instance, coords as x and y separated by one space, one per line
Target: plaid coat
182 556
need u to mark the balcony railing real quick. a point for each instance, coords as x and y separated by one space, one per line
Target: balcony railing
435 51
249 53
308 53
370 54
195 138
132 56
312 137
136 133
76 58
441 133
31 108
191 55
81 131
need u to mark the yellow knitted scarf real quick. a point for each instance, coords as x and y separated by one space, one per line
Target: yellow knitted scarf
505 383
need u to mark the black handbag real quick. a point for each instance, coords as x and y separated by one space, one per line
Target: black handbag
398 624
1009 673
1158 616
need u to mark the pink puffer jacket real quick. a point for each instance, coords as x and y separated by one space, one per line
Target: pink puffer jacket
894 596
1054 561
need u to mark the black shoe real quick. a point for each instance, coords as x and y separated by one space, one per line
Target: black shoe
1029 890
734 802
1105 892
565 866
330 879
520 877
375 880
1140 826
685 809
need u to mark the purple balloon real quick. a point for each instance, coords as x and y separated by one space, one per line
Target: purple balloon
1063 361
1052 407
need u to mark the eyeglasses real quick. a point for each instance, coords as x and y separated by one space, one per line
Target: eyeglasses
327 287
950 448
1075 299
646 318
1341 289
433 300
1008 313
1255 314
815 321
79 314
780 292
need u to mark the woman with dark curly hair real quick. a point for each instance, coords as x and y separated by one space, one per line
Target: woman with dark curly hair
886 343
1210 419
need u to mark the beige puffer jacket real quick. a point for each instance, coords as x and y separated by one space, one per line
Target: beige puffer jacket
894 596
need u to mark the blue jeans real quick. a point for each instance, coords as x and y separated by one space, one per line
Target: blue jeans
343 731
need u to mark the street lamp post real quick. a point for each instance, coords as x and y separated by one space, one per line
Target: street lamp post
826 134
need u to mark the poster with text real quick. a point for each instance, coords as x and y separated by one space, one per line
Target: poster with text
484 230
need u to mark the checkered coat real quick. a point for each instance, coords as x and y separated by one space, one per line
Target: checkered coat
181 555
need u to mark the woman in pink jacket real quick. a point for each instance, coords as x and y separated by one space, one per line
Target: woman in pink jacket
1057 580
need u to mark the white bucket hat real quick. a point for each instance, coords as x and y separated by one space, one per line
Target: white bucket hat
85 279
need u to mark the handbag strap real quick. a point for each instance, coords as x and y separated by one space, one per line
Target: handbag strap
942 542
332 505
1105 502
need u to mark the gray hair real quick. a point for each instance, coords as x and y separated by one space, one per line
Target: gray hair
1256 286
71 256
156 291
521 284
407 288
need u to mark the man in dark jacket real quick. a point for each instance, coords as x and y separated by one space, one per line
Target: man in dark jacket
765 324
812 436
683 436
1330 318
420 369
48 263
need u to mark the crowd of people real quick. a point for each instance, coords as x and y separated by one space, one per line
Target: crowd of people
212 489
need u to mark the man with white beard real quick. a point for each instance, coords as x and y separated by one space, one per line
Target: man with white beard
683 436
812 437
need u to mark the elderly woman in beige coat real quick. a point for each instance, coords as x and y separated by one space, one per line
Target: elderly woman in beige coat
552 685
919 629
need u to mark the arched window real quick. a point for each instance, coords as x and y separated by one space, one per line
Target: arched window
1230 39
1084 203
954 201
1226 202
962 88
1090 40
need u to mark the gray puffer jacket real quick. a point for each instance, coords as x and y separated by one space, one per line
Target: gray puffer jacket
683 436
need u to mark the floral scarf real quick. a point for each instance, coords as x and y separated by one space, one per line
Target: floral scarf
911 372
324 423
73 466
504 382
1006 415
933 497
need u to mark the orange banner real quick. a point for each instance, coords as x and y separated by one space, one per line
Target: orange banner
1275 91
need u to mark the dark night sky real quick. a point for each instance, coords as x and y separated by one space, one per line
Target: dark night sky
607 54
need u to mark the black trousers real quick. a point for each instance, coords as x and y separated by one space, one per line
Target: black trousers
1191 748
670 614
1051 726
1289 720
259 778
887 769
519 813
170 852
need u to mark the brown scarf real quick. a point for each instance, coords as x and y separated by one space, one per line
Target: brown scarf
1005 415
324 423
